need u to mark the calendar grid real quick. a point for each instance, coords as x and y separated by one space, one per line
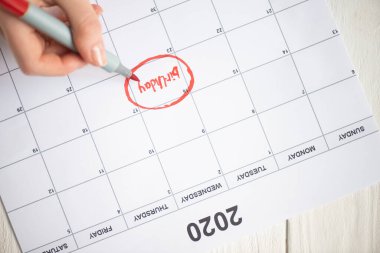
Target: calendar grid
299 75
183 2
171 193
157 154
205 87
97 152
261 112
237 186
257 161
209 85
196 107
323 152
232 188
245 85
41 155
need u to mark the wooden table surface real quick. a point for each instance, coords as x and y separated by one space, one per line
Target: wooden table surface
351 224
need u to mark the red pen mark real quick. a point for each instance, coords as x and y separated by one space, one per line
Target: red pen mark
155 91
160 81
135 78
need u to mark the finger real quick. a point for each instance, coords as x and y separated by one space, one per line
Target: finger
86 30
98 9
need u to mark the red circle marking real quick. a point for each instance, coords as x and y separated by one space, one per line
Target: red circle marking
189 88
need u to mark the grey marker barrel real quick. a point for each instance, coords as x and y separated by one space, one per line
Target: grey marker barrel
57 30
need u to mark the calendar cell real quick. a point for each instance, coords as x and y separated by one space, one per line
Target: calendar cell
273 84
350 109
89 204
73 163
64 245
173 125
3 66
251 172
100 232
17 141
190 164
89 74
291 124
37 90
105 103
279 5
237 13
139 184
9 105
123 143
302 152
8 55
155 42
150 212
180 25
62 116
351 133
224 103
126 11
323 64
31 223
202 59
252 51
201 192
306 24
162 82
24 182
164 4
240 144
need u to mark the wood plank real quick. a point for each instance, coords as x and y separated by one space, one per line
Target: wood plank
271 240
8 243
348 225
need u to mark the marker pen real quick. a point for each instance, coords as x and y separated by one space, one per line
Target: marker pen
58 31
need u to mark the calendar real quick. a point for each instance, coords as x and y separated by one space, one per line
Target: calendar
246 113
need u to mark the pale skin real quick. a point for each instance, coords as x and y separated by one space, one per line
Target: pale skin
38 55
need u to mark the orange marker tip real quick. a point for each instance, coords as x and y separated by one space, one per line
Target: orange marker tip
135 78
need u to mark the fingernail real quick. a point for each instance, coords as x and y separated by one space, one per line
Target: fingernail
99 56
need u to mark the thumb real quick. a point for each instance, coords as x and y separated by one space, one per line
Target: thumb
86 30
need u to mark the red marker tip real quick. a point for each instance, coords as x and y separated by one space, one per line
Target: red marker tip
135 78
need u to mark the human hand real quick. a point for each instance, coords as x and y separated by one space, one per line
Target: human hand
36 54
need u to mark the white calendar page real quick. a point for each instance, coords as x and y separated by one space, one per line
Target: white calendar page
257 115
